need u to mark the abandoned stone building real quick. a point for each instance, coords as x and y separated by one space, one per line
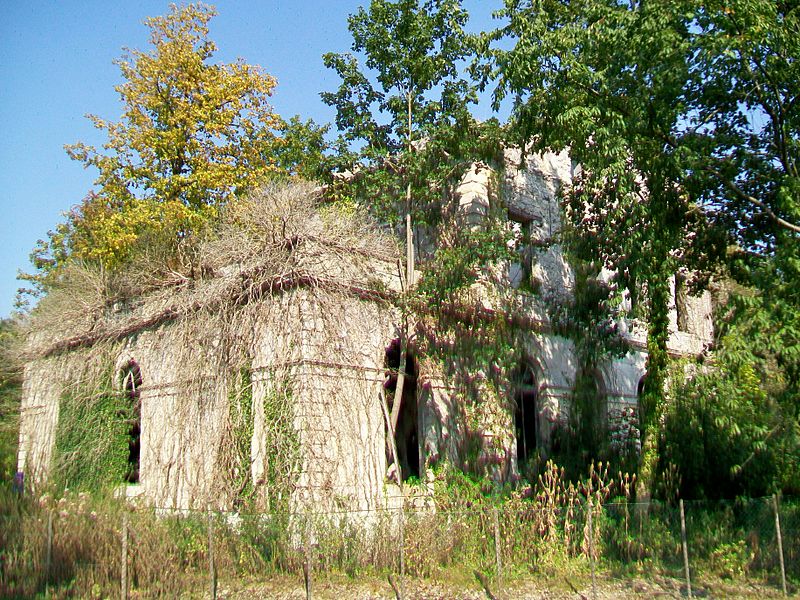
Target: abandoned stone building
266 376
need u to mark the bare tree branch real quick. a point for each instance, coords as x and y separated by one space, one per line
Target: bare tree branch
741 194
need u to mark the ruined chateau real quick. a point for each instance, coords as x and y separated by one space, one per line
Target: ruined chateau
264 378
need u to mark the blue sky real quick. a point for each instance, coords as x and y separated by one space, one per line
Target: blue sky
56 66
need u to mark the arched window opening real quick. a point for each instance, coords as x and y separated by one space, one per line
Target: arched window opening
642 408
131 384
640 388
406 434
591 410
526 415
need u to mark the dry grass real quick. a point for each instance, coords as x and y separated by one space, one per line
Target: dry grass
168 554
262 245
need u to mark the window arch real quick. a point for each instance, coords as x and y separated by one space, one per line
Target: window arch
406 433
131 380
642 407
526 413
640 387
589 412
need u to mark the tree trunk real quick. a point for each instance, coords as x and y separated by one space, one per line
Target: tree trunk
401 379
410 269
651 404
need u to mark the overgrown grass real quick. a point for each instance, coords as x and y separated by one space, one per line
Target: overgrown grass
10 393
540 533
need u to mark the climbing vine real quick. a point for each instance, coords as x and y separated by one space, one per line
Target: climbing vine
281 453
463 300
586 317
92 437
241 424
282 450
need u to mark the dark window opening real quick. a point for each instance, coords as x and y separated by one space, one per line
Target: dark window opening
589 413
595 398
524 248
526 415
642 406
406 435
681 302
131 383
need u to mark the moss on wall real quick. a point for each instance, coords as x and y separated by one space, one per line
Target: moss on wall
92 439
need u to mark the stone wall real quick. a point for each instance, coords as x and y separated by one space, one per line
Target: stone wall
44 382
530 194
333 380
326 357
337 394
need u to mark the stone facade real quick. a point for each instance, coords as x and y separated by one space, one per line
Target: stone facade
332 370
530 193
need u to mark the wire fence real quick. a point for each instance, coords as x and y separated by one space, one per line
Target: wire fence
160 552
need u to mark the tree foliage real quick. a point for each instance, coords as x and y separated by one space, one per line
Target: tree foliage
10 392
191 132
573 71
404 115
193 136
741 128
682 116
708 86
734 428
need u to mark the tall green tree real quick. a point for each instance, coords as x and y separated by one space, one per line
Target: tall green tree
602 78
404 115
742 146
683 117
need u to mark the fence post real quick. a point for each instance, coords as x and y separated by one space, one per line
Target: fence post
124 570
591 545
402 545
685 551
398 588
780 542
497 557
212 568
307 562
48 564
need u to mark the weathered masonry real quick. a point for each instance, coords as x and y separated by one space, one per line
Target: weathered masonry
262 379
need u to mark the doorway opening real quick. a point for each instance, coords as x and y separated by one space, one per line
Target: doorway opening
406 435
131 384
526 414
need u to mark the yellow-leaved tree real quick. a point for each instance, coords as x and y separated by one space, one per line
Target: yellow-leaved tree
193 135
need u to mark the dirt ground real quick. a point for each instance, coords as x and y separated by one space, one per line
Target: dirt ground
373 588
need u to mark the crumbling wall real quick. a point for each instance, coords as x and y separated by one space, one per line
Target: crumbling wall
182 418
306 331
44 382
338 390
329 365
278 302
530 192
